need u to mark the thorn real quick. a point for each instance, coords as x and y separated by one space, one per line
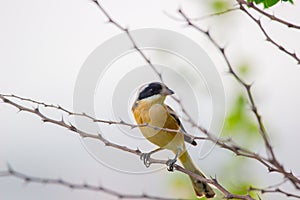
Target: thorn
222 49
73 128
268 39
37 109
248 86
138 150
254 109
207 33
10 169
281 48
144 195
27 179
62 119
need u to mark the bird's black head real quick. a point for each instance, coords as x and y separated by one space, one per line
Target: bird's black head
154 89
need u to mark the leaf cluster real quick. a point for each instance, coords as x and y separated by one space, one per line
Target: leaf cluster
269 3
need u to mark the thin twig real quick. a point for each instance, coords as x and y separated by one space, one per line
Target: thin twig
202 17
10 172
270 16
126 30
62 123
214 14
96 120
268 37
272 160
276 190
223 143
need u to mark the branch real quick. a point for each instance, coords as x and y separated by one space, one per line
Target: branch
272 160
96 120
214 14
213 181
238 150
10 172
272 17
276 190
126 30
62 123
204 16
227 144
268 38
69 126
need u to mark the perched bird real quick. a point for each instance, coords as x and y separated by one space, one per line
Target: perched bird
149 108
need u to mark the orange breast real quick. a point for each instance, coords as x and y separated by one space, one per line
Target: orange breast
159 117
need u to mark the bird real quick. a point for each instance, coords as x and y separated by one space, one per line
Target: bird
161 126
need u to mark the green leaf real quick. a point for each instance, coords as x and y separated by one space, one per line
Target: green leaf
239 119
220 5
258 1
244 69
270 3
291 1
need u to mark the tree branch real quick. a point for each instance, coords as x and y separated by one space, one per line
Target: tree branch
276 190
126 30
272 17
268 38
272 160
10 172
99 137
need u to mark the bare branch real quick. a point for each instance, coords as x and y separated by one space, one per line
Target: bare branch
126 30
77 186
204 16
276 190
270 16
268 38
223 143
214 14
272 160
99 137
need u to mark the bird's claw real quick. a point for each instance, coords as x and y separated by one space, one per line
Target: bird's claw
145 157
170 164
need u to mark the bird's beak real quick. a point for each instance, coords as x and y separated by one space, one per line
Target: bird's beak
167 91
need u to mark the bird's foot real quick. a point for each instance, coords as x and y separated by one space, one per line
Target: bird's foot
145 157
170 164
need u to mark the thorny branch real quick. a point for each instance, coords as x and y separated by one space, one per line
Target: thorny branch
10 172
270 16
224 143
126 30
272 160
204 16
238 150
62 123
96 120
276 190
268 38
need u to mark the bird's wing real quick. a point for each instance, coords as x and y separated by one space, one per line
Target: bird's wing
187 138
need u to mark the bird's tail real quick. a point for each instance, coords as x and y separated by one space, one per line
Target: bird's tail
200 188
